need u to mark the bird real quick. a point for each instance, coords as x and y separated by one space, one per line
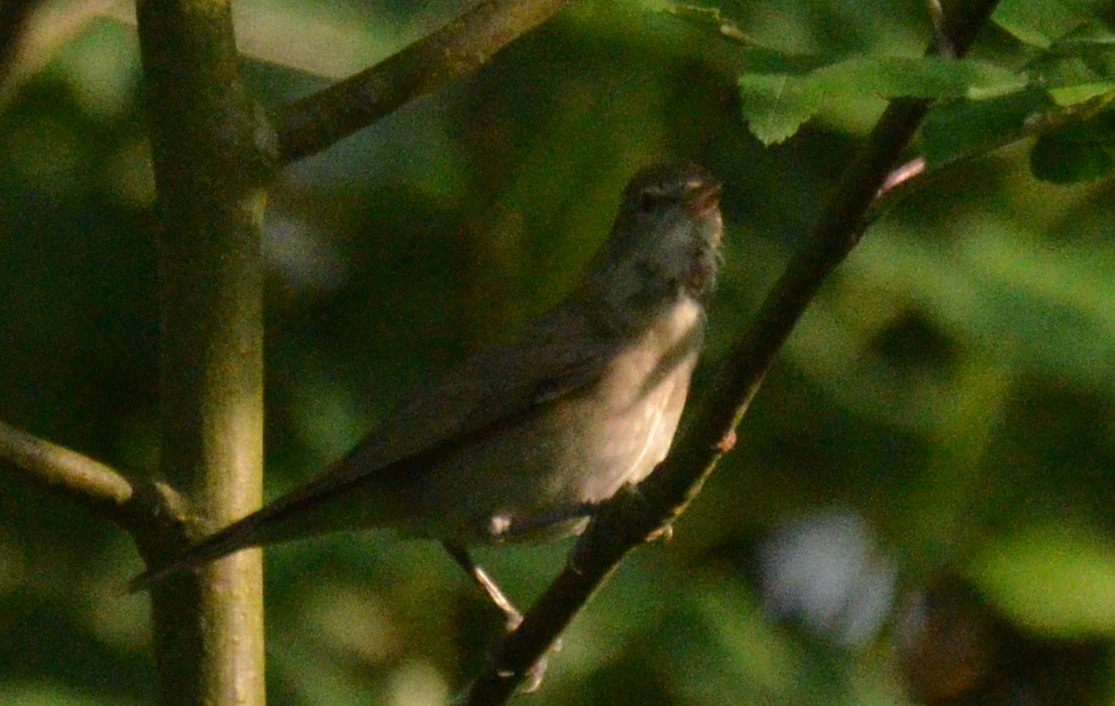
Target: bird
523 440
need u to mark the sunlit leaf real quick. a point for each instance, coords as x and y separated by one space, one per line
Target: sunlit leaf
1035 22
1081 92
777 105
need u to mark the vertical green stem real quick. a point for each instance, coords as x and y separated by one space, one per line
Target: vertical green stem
211 150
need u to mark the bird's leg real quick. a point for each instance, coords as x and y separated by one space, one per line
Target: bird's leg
512 615
481 578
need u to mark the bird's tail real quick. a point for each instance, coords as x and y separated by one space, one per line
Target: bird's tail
310 510
289 518
231 539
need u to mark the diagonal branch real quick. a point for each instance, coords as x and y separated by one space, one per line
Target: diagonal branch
634 516
314 123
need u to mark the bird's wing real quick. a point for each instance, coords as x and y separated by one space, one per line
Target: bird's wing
558 355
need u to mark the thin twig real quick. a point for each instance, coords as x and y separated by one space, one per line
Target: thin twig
945 46
917 174
633 516
704 16
314 123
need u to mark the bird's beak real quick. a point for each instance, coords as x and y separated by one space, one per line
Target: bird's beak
703 197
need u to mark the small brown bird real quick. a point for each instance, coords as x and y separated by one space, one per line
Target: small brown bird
523 440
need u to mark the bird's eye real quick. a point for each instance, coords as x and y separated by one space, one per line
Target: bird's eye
648 201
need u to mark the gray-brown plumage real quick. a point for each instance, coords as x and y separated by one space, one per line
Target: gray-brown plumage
522 439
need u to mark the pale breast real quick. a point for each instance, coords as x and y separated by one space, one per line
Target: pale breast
644 392
529 478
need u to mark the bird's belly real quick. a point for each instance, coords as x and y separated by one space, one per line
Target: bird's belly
538 478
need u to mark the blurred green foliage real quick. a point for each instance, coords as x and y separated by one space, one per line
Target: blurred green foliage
941 418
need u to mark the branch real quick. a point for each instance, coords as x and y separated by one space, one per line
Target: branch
916 175
211 150
635 515
151 512
314 123
101 488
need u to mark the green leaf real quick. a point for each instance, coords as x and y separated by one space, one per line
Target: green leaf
956 128
1073 95
1050 579
1062 70
917 77
1081 151
776 103
1036 22
1066 162
1083 56
1090 39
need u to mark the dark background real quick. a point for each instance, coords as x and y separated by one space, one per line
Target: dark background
931 455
